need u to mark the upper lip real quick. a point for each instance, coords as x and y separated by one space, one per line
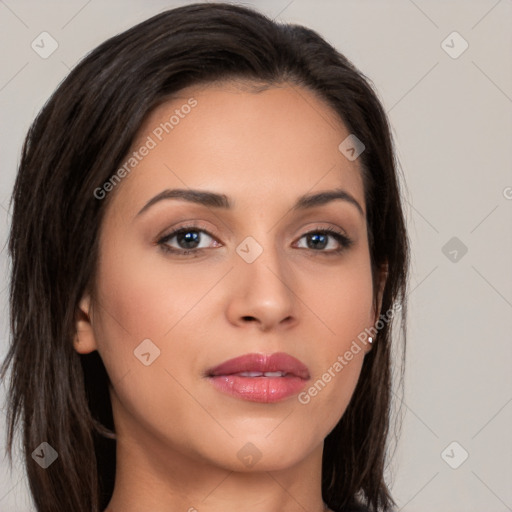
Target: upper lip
277 362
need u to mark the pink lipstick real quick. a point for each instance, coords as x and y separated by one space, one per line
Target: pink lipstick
260 377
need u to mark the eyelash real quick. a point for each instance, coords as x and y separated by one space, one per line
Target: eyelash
344 241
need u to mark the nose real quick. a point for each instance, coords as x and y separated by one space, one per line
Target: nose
263 293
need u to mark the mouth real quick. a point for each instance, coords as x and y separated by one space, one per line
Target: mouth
260 377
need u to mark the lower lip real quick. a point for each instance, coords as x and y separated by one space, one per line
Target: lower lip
259 389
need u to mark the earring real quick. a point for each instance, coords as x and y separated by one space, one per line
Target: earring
370 339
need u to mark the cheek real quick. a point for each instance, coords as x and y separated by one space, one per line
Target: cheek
344 305
140 299
132 306
342 298
143 296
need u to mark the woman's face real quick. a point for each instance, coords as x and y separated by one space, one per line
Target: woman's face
262 277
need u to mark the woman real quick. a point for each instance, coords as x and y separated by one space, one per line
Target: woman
208 251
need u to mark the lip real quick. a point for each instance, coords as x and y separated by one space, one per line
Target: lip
227 377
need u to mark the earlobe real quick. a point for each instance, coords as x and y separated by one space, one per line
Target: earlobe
84 341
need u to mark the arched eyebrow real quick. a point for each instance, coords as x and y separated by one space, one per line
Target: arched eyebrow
215 200
320 198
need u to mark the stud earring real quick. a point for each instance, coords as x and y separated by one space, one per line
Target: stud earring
370 340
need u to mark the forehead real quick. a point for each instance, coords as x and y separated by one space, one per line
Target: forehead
272 144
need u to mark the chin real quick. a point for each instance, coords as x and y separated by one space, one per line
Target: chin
259 453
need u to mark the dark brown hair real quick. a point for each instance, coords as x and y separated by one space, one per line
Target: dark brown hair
76 144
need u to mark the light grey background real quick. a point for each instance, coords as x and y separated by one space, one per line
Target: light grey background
451 118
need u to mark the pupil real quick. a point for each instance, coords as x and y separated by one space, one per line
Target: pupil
189 237
315 239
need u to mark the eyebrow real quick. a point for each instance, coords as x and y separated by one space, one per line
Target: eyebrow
214 200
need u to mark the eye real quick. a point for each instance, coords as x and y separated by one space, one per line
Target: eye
318 240
188 240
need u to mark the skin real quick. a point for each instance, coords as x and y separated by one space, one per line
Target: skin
177 436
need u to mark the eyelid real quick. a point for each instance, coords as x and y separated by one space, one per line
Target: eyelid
192 225
197 225
338 234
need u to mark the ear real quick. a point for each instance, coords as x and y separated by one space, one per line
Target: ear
84 341
383 277
381 283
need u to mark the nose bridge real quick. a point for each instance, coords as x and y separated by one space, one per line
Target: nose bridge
265 278
263 259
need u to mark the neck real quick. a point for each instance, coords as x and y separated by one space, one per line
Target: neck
150 476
